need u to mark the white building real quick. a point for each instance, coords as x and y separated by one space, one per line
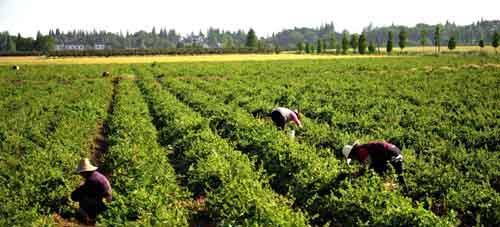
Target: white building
70 47
74 47
59 47
99 46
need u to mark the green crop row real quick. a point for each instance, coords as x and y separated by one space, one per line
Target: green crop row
144 183
259 98
309 175
40 153
469 168
236 193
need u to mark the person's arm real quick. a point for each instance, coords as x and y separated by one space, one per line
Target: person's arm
295 119
108 192
396 157
76 195
108 195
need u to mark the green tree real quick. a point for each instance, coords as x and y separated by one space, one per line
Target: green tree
354 42
227 42
308 48
403 35
11 45
495 40
44 43
333 42
389 42
251 41
371 48
452 44
323 45
319 45
260 44
362 44
345 42
300 47
437 38
423 38
481 43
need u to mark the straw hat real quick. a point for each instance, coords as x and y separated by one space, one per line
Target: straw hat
85 166
347 150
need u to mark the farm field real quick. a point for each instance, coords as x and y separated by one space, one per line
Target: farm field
286 55
190 142
162 58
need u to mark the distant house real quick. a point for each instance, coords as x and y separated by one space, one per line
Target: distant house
70 47
74 47
59 47
99 46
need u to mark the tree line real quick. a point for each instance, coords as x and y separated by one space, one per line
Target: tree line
27 45
362 45
306 40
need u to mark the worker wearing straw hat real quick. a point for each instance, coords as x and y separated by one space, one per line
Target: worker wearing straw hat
90 195
376 155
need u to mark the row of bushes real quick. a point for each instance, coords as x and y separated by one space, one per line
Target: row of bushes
54 127
424 187
144 183
259 102
20 54
312 176
471 172
236 192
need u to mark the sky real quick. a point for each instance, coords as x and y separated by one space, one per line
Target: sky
264 16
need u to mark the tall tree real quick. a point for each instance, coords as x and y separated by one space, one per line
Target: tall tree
308 48
437 38
371 48
389 42
227 42
423 38
333 42
300 47
251 41
319 45
11 45
260 44
495 40
362 44
345 42
354 42
452 44
481 43
402 38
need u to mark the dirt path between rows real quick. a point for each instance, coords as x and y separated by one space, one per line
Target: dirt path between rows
98 148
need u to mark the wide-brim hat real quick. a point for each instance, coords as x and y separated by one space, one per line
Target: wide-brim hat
85 166
347 150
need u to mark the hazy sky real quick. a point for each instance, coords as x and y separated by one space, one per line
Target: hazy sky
265 16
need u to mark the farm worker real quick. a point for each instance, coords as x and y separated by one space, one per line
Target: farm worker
90 195
282 115
376 155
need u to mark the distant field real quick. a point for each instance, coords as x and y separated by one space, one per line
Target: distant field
146 59
290 55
